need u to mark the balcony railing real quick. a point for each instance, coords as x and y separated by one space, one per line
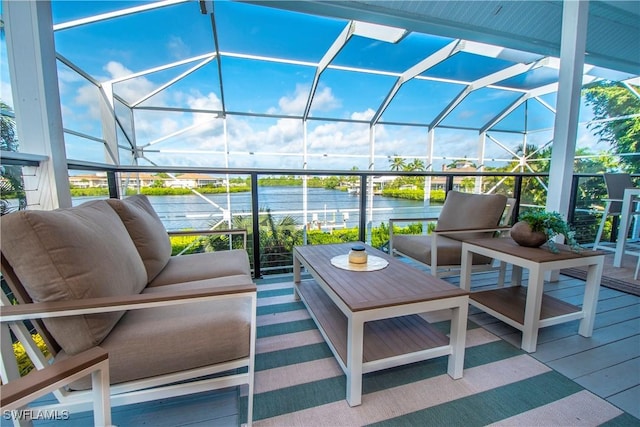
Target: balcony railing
284 208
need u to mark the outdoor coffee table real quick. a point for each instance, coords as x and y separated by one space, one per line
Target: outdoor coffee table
370 319
527 308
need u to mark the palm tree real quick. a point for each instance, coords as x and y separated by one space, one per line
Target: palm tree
10 175
397 163
416 165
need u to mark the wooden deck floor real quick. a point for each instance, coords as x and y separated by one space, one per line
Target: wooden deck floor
607 364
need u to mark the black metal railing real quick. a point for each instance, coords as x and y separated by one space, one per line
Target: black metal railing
363 219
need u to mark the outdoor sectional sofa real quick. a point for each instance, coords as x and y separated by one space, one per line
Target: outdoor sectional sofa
102 274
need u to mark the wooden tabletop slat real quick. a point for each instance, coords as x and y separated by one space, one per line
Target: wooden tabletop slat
396 284
540 255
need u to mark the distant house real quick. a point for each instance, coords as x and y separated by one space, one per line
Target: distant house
132 179
89 181
135 180
128 179
194 180
440 182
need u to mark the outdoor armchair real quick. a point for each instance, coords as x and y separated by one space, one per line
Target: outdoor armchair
464 216
616 184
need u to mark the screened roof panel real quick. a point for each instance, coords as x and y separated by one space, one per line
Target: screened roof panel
467 67
134 89
479 107
262 31
532 79
348 94
394 141
537 117
198 90
362 52
62 11
108 50
419 101
265 65
265 87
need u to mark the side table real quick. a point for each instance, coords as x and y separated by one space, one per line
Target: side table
527 308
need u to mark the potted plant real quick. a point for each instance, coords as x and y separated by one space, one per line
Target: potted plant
535 227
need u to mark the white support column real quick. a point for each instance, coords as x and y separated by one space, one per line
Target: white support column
370 187
36 100
108 119
481 147
427 180
305 198
574 34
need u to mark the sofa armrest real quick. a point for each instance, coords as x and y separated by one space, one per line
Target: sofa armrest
40 382
473 230
232 231
43 310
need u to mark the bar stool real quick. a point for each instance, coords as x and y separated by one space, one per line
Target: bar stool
616 183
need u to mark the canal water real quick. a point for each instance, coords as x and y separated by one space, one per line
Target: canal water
326 208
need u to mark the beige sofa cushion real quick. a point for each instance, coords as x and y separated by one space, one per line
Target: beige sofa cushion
146 231
208 265
466 210
171 338
74 253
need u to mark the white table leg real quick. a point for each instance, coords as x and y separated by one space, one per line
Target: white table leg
591 290
355 338
516 275
623 228
465 268
296 276
532 309
457 339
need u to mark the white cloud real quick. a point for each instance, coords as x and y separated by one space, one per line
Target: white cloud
178 48
365 115
324 100
295 104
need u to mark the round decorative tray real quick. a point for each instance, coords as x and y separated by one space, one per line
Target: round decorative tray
373 263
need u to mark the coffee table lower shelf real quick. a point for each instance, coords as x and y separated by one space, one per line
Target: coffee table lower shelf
508 304
384 340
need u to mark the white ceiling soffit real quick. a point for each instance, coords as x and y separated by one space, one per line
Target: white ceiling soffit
613 39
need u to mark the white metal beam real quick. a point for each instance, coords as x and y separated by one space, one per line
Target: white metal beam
415 70
115 14
36 100
331 53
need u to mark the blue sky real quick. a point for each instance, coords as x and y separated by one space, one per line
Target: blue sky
122 46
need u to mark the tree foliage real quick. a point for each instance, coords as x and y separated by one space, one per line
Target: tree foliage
609 100
10 175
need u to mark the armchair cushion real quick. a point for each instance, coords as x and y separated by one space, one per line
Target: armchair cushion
465 210
171 338
418 247
146 231
70 254
203 266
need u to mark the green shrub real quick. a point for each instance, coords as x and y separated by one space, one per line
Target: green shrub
24 362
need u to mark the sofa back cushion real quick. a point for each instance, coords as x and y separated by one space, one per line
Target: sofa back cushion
69 254
146 231
466 210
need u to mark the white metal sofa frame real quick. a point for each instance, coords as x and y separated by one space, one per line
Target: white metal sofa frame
176 384
15 395
454 269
